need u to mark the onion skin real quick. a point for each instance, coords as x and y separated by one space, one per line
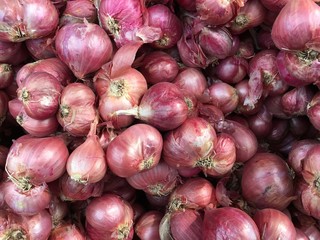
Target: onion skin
274 224
147 227
22 22
66 231
6 75
313 112
305 28
159 180
4 99
271 185
136 149
42 48
79 41
109 214
228 222
77 109
37 159
39 225
189 144
40 95
27 203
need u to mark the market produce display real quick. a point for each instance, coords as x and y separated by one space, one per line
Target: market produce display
159 119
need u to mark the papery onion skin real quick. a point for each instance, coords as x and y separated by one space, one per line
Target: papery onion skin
159 66
194 193
42 48
191 80
160 16
147 227
40 95
27 203
6 75
186 224
274 224
291 23
159 180
271 185
39 226
310 166
217 12
110 213
189 144
21 19
136 149
84 47
37 159
313 111
66 231
228 223
77 109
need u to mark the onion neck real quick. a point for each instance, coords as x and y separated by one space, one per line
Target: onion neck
22 183
113 26
206 163
157 189
117 88
307 57
25 95
175 205
241 20
164 41
317 184
123 232
64 111
15 234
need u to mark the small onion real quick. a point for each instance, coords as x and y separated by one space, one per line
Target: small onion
228 222
39 225
136 149
67 231
147 227
6 75
84 47
42 48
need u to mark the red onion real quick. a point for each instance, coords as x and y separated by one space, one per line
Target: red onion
291 23
28 201
222 95
72 190
160 16
77 109
266 182
273 104
22 19
159 180
246 48
228 222
191 80
66 231
216 43
194 193
261 123
245 140
190 52
300 126
84 47
313 111
87 163
6 75
310 166
40 95
106 136
158 66
119 186
224 156
299 68
58 209
274 224
42 48
274 5
136 149
190 145
307 200
109 215
3 155
232 69
163 95
300 235
295 101
218 12
183 225
119 86
9 51
279 130
36 160
39 225
251 15
147 227
158 202
77 11
210 113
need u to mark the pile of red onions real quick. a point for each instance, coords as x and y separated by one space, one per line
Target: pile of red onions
159 119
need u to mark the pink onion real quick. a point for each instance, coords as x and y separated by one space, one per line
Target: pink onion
136 149
147 227
42 48
313 111
6 75
27 19
67 231
231 221
36 160
84 47
77 109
